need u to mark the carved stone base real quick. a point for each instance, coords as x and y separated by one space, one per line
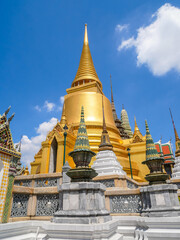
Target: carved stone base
83 203
160 201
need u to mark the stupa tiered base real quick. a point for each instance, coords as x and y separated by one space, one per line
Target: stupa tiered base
160 200
107 164
83 203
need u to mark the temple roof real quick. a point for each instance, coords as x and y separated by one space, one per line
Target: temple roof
6 142
165 151
86 69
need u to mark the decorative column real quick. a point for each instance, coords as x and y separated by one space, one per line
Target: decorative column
45 157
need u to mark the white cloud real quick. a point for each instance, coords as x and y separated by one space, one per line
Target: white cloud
37 107
49 106
158 44
30 146
62 99
127 44
120 28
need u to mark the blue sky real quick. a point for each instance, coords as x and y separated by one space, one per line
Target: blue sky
40 48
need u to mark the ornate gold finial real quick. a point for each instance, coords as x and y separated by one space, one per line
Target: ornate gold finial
86 72
112 99
105 141
85 35
63 118
136 129
177 139
26 172
175 132
137 136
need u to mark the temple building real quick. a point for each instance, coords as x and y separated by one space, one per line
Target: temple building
165 151
8 157
86 90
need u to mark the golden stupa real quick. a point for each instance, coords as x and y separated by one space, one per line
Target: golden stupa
86 90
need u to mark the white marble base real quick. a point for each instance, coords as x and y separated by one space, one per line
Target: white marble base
41 230
176 169
107 164
120 228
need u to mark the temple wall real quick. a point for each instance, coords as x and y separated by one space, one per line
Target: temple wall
36 197
4 167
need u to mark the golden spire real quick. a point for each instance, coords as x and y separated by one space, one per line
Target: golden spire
63 118
136 129
175 132
86 71
105 141
26 172
85 35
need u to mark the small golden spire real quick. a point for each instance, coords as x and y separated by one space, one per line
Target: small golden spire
105 141
86 72
175 131
85 35
63 118
26 172
135 125
136 129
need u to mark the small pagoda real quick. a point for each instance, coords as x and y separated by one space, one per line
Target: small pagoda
82 155
153 161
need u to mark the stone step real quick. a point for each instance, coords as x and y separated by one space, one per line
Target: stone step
116 236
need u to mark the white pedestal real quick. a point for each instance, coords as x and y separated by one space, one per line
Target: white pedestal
107 164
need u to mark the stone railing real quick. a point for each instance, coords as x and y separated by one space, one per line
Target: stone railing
121 181
36 197
123 201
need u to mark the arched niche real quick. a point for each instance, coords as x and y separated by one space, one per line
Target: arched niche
53 156
1 171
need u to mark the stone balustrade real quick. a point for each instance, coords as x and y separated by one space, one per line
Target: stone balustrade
36 197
